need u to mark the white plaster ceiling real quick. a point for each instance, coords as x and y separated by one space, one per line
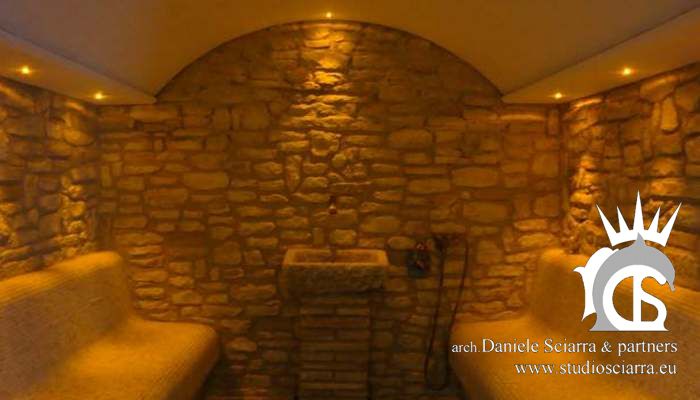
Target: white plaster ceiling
131 48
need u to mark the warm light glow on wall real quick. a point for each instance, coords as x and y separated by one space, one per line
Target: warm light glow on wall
329 15
558 95
626 71
25 70
99 96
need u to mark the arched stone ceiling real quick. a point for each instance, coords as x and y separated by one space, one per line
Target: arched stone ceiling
142 44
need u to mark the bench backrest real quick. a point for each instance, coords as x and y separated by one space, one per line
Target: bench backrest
556 292
47 315
557 299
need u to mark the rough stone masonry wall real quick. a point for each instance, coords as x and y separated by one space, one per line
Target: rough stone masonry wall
643 137
48 179
238 160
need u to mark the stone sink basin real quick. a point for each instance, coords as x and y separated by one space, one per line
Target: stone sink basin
322 271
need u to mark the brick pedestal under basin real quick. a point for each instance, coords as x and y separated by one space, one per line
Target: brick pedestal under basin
334 331
334 324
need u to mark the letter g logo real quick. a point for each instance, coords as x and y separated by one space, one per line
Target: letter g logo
606 268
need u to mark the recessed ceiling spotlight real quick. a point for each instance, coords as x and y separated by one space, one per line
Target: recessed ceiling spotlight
627 71
25 70
329 15
558 95
99 96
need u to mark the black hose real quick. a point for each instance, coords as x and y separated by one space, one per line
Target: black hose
441 245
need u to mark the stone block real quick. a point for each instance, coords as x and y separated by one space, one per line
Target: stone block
429 186
619 109
186 297
149 276
476 177
692 149
668 144
25 126
297 146
241 196
253 211
486 212
191 133
256 228
687 96
378 154
657 89
673 187
140 168
401 243
241 344
488 252
138 239
252 153
266 243
220 311
253 293
313 169
235 326
314 183
220 232
268 170
130 222
324 143
669 115
77 137
546 165
547 206
252 116
410 139
166 197
380 224
634 129
227 254
343 237
387 182
131 183
506 271
529 225
666 167
688 217
206 180
537 240
83 174
154 113
293 222
292 172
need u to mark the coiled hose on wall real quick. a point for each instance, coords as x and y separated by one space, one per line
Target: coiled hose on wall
441 245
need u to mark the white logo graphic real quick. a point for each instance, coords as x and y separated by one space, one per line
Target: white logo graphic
607 268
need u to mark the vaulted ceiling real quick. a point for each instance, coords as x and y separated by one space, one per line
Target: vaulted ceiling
528 49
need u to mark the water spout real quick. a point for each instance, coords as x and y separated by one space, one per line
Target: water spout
332 208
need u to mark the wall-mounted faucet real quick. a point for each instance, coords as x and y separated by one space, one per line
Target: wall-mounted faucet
332 208
418 260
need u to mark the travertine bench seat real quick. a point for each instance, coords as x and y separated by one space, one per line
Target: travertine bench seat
68 332
556 305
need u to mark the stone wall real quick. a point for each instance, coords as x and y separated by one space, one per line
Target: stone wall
48 179
643 137
246 149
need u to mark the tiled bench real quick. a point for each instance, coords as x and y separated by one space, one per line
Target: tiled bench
68 333
556 305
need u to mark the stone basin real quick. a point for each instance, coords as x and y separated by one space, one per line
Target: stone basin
322 271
